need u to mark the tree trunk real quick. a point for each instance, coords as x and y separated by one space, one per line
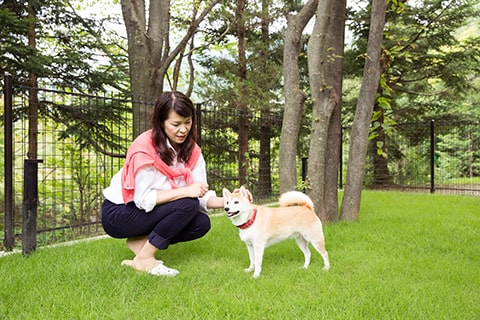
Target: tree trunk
334 138
264 167
32 152
363 114
325 99
145 51
149 52
264 171
243 94
294 96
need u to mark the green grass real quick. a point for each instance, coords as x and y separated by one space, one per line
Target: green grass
410 256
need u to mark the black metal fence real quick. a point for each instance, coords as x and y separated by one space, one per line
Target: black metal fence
81 140
431 156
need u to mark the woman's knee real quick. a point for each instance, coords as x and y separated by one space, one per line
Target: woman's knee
187 205
203 221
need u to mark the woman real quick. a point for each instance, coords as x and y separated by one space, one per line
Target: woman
160 196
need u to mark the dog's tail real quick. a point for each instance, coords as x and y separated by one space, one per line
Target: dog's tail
295 198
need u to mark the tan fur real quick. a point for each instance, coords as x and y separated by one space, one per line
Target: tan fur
294 218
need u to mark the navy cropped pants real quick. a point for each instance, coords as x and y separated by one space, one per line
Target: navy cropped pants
168 223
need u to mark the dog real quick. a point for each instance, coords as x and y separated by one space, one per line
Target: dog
262 226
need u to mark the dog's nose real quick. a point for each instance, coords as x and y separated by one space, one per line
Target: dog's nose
226 209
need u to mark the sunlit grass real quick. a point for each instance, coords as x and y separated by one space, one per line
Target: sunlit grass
410 256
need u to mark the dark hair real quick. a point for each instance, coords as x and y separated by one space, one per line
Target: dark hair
183 106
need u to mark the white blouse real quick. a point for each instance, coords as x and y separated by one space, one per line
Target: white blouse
149 180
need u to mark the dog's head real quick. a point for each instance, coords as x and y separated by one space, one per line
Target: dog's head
237 201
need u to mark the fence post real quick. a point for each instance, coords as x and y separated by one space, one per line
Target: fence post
432 156
9 234
30 203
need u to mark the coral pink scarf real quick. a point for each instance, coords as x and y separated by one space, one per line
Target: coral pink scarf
142 153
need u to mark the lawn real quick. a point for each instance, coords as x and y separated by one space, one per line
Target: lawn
410 256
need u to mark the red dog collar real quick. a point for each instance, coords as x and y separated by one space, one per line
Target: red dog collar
250 221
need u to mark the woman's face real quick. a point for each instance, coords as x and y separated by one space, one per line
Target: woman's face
177 128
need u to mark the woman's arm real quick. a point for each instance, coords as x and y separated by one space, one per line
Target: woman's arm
148 181
195 190
215 202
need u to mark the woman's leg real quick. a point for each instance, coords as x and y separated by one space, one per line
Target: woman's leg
135 244
168 223
182 213
196 229
145 258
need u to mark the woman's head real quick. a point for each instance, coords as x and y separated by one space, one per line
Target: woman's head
173 118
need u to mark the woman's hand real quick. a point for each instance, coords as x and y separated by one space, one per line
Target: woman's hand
195 190
198 189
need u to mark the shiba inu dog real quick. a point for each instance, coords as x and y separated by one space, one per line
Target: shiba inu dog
263 226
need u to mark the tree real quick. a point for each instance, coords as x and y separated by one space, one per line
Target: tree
150 50
264 171
242 98
294 95
325 50
361 123
245 76
334 138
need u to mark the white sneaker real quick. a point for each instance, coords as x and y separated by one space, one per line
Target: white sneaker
162 270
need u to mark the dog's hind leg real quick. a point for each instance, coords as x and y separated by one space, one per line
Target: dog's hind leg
303 245
319 245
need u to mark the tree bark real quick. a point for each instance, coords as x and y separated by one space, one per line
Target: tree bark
325 51
334 137
149 52
242 99
325 99
264 167
294 96
32 152
145 49
363 114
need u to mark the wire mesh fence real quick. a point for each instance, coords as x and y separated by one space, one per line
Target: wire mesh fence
82 139
430 156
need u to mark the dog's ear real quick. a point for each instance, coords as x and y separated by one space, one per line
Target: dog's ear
246 194
226 193
249 195
243 192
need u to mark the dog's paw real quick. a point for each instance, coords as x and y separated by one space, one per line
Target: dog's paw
256 275
249 269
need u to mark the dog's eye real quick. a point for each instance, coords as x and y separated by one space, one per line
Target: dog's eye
236 202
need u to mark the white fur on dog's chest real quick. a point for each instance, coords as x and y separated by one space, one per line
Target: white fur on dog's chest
247 235
250 236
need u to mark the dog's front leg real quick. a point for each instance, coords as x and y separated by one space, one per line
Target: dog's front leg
251 257
258 250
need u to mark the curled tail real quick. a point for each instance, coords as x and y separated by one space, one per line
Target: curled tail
295 198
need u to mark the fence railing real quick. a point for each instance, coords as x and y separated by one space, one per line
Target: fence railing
81 140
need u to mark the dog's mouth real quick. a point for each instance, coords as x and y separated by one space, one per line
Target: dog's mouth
232 214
